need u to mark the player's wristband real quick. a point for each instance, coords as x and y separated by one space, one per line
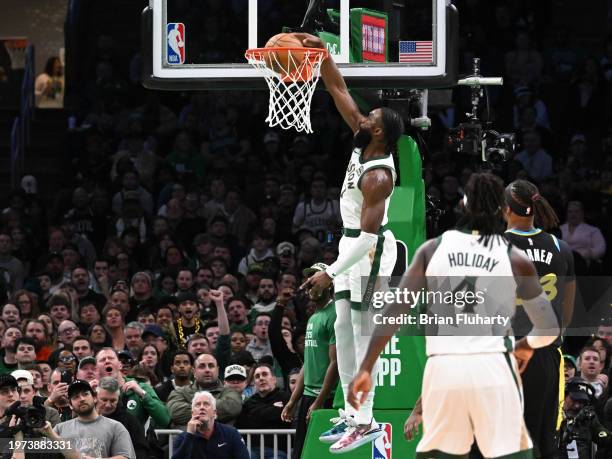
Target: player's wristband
359 248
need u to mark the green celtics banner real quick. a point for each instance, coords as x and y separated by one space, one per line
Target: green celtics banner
403 360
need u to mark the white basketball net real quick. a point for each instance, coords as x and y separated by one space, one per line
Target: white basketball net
291 85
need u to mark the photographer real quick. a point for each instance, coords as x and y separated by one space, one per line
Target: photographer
581 432
21 424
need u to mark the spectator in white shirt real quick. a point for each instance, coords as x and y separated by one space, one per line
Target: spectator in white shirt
583 238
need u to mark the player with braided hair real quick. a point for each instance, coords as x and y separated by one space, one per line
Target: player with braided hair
469 374
528 214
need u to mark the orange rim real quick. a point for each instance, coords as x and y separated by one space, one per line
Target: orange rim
311 57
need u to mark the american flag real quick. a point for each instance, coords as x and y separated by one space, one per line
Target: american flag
416 52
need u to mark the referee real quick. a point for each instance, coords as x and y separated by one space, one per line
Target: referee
554 263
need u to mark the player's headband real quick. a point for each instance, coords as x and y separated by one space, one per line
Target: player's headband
517 207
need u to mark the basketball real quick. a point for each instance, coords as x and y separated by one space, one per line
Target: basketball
279 61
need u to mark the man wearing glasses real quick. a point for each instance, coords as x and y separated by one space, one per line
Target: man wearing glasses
67 332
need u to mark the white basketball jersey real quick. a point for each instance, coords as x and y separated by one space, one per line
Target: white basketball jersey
462 264
351 198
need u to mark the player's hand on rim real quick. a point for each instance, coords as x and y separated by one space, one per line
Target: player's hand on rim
358 388
309 41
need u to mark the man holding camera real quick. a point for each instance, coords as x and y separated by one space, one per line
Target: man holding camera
205 436
14 428
581 429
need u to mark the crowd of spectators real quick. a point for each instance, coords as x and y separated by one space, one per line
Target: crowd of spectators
153 271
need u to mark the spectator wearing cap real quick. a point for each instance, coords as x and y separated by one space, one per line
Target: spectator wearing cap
236 378
583 238
81 280
27 392
9 393
263 410
108 395
205 436
139 397
206 377
317 215
188 322
87 370
181 367
260 251
536 161
285 251
111 437
570 367
240 218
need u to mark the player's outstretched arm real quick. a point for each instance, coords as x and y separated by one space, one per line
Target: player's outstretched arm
537 306
413 280
335 84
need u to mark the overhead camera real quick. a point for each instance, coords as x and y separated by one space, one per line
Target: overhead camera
474 137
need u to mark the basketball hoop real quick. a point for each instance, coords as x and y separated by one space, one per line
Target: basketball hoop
16 49
291 75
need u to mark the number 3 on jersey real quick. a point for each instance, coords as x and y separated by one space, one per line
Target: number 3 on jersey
549 285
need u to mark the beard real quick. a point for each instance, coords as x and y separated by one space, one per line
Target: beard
362 139
85 410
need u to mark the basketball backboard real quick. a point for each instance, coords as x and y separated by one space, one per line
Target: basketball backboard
200 44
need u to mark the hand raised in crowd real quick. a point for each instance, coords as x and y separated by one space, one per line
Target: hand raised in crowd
59 391
216 296
133 385
285 296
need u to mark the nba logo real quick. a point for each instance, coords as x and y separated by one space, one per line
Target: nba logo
381 448
176 43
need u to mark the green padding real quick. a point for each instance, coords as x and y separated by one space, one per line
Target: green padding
400 448
435 454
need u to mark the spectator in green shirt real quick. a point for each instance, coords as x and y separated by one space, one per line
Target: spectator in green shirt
319 374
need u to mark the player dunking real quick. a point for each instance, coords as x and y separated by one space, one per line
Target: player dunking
470 385
554 262
367 249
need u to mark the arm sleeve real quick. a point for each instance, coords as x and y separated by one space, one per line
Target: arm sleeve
240 450
545 325
122 443
183 446
154 406
179 408
223 352
599 244
229 405
356 252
